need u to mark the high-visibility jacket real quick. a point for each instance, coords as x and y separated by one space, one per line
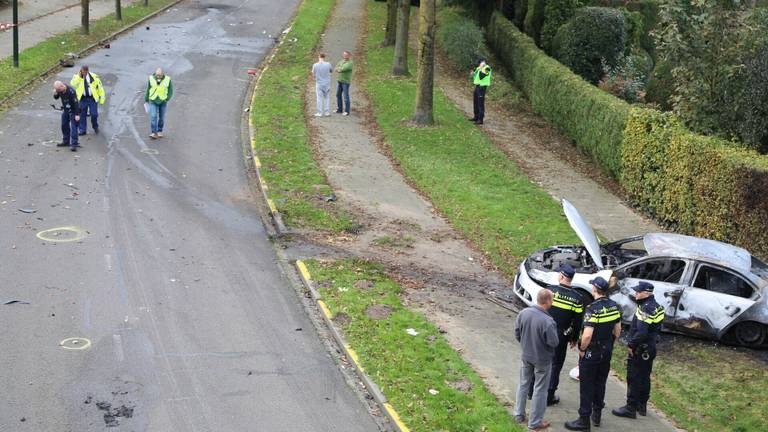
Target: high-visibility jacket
159 91
484 81
97 90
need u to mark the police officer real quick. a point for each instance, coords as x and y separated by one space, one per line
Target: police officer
568 311
602 326
90 94
481 78
642 350
70 114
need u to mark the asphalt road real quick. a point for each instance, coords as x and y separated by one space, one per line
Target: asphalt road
163 267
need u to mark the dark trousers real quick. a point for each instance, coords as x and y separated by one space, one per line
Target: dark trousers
479 102
342 89
89 105
592 377
69 128
639 378
557 363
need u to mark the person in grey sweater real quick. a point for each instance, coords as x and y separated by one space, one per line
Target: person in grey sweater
536 331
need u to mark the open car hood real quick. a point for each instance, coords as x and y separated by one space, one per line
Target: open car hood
584 231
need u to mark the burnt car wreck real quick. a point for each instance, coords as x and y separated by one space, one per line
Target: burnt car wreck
709 289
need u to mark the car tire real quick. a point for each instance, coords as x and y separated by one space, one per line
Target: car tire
749 334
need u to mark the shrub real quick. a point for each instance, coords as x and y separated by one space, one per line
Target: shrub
556 13
661 86
534 19
634 27
460 38
592 36
754 127
625 81
592 118
699 185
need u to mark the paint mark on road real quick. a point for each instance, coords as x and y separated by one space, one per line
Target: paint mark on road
118 347
62 234
150 151
108 260
75 343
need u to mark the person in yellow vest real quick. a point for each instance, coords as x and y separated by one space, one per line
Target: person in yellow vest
159 92
90 94
481 77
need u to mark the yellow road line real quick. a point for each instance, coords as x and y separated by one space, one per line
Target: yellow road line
272 206
257 162
324 308
354 357
253 144
396 417
303 269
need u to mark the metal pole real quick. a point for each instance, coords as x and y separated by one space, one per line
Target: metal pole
15 33
146 2
118 10
84 18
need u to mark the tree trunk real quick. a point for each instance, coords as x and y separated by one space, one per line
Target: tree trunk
391 29
425 77
84 16
400 63
118 10
146 2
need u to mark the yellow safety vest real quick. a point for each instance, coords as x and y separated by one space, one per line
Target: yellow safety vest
97 90
159 90
484 82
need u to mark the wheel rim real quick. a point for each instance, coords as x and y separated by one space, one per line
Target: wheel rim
750 333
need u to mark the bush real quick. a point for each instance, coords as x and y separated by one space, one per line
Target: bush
754 127
592 118
460 38
592 36
534 20
699 185
634 27
556 13
626 81
661 86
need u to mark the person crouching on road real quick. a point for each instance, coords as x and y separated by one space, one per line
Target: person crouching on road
642 350
602 326
537 333
70 114
90 94
481 78
159 93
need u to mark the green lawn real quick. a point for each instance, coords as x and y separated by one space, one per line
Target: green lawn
37 59
282 140
407 367
472 182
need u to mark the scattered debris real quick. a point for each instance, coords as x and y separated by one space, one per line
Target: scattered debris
298 329
112 415
28 210
412 332
363 284
342 319
462 385
433 392
379 312
10 302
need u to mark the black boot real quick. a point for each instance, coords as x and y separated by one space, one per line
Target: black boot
642 410
626 411
597 415
580 424
553 400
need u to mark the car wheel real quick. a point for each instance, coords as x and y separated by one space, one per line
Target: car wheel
748 333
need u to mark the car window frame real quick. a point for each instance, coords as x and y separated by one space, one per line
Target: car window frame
697 268
682 281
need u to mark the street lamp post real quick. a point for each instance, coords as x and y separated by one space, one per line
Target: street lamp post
15 33
118 10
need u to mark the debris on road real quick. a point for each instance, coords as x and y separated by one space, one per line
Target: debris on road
10 302
28 210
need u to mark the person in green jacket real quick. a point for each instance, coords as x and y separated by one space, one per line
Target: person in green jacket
159 92
344 69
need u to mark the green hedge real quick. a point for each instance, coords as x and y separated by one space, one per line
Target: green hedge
700 185
592 118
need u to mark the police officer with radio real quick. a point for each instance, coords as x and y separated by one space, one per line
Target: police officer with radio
70 114
602 326
642 350
481 78
568 311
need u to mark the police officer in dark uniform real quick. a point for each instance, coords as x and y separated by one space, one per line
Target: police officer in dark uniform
568 311
602 326
70 114
642 350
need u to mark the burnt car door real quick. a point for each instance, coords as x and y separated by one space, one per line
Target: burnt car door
716 297
666 275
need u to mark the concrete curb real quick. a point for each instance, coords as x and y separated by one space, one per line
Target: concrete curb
87 49
350 353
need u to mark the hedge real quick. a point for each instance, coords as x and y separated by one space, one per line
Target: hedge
592 118
699 185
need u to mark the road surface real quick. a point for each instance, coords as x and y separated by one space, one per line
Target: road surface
155 299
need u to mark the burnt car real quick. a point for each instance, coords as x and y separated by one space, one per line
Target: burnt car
709 289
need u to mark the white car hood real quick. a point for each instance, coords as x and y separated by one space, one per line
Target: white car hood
584 231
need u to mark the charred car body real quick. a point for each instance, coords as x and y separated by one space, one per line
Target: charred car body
709 289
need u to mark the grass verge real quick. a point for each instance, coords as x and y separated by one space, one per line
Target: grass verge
406 367
471 181
38 59
282 140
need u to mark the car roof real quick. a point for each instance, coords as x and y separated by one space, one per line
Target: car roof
676 245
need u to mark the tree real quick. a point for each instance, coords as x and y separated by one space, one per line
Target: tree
118 10
391 28
425 76
84 16
400 63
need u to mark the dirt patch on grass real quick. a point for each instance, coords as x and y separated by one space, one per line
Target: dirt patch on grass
378 312
341 319
462 385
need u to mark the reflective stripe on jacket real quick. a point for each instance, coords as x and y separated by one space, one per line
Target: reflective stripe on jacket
159 90
484 81
97 89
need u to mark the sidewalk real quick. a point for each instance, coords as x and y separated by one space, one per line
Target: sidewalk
42 19
454 281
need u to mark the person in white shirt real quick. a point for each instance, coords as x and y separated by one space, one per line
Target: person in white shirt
321 72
